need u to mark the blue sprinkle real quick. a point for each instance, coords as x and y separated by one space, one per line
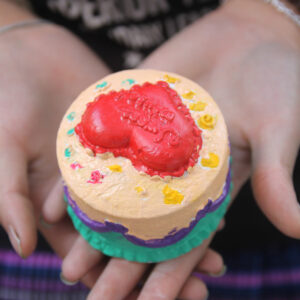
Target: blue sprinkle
71 131
101 85
130 81
71 116
68 152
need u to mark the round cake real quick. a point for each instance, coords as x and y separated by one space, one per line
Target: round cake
144 156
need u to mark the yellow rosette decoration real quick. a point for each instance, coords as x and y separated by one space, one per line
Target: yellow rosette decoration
211 162
207 122
172 196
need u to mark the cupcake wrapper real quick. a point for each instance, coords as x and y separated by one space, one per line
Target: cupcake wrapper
116 245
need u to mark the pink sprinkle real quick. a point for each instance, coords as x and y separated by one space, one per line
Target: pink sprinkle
76 166
96 176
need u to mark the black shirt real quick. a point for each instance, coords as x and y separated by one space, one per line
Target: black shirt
123 32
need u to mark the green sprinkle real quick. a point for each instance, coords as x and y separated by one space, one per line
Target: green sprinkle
68 152
130 81
101 85
71 116
70 131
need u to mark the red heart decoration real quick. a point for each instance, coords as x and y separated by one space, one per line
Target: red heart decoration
147 124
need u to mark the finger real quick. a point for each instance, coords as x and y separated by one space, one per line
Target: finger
212 263
240 167
92 276
16 210
194 289
168 277
79 260
133 296
54 208
61 237
274 156
121 274
221 225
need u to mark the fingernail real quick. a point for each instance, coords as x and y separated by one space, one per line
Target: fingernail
44 223
65 281
15 241
219 274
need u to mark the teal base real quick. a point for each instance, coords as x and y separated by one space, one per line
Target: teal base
116 245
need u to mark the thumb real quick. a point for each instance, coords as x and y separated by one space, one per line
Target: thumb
16 210
273 157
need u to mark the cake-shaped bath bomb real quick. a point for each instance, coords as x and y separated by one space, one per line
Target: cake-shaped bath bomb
144 156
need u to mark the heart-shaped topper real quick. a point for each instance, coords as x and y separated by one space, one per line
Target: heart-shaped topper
147 124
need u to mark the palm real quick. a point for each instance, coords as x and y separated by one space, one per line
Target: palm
253 73
260 103
36 87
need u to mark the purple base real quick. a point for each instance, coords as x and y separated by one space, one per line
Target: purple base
173 237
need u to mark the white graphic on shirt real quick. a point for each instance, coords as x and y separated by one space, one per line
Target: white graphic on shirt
132 59
138 36
95 14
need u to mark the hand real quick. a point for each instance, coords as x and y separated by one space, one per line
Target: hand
246 55
166 280
45 68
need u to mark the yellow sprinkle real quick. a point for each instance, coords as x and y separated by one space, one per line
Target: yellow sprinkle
115 168
198 106
190 95
207 122
172 196
139 189
211 162
170 79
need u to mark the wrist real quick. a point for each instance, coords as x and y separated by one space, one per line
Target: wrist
266 17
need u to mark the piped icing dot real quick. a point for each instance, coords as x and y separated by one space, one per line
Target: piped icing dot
207 122
96 177
170 79
71 131
189 95
115 168
140 190
128 81
198 106
68 152
172 196
211 162
76 166
101 85
71 116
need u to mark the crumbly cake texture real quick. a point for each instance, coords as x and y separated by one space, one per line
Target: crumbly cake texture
110 188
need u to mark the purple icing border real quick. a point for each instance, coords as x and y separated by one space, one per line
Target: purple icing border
173 236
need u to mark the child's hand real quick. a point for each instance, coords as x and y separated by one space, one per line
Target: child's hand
43 68
247 56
